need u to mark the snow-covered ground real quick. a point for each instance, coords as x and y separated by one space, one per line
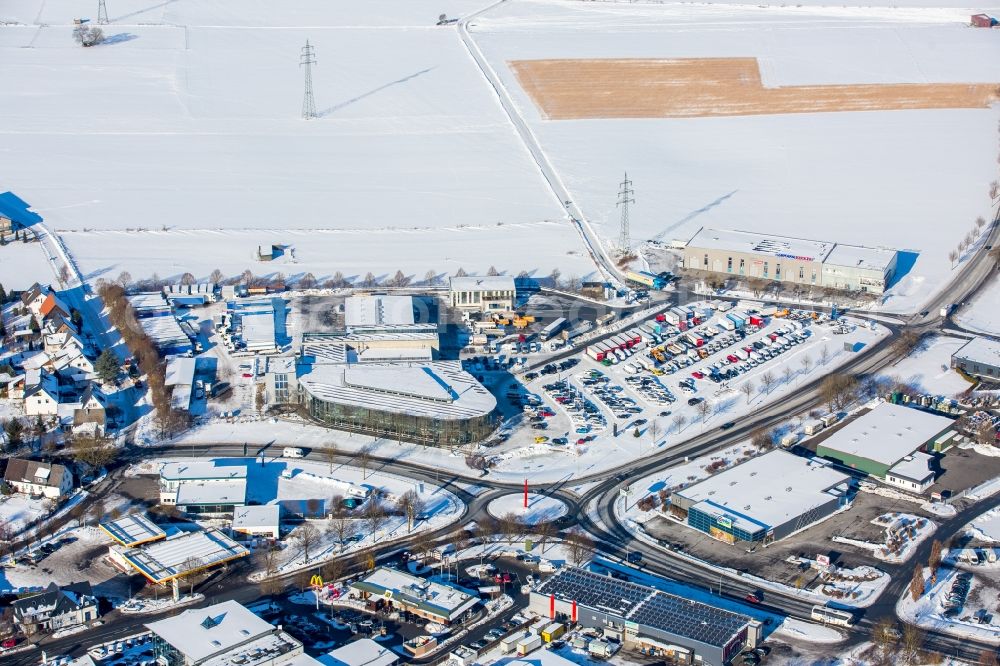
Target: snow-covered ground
982 314
411 147
987 526
927 611
928 369
23 264
540 509
782 174
17 510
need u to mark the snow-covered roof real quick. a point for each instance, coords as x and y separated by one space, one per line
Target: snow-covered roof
165 560
209 493
753 242
378 310
440 390
265 515
133 530
379 354
915 467
767 491
980 350
858 256
190 470
326 352
362 652
180 371
887 434
482 283
200 633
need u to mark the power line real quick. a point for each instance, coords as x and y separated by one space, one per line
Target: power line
307 59
626 196
102 13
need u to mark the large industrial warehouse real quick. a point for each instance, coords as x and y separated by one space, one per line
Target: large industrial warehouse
764 499
677 629
886 442
794 260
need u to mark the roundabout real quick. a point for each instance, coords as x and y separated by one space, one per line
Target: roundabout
539 509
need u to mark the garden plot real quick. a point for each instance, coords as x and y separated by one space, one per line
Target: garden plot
903 532
17 511
23 264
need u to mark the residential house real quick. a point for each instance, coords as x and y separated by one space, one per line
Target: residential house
32 477
33 298
42 398
56 608
91 415
52 307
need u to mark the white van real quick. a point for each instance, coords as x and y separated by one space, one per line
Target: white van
293 452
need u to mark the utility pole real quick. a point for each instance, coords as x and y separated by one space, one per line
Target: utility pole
626 196
102 13
307 59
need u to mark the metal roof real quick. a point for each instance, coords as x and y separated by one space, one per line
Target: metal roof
133 530
645 605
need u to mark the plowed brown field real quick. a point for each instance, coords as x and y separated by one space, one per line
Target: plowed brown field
687 88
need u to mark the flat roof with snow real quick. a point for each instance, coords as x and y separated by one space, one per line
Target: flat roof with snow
769 490
980 350
752 242
378 310
440 390
396 354
202 633
482 283
858 256
180 371
212 493
362 652
192 470
259 516
916 467
887 434
133 530
165 560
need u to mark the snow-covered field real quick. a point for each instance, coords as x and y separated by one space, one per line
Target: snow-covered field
190 119
983 313
928 369
916 179
17 510
23 264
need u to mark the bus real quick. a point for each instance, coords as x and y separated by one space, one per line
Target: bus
552 329
828 615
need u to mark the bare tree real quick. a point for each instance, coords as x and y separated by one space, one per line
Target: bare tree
824 355
410 505
767 381
579 546
461 272
913 641
980 222
995 190
341 528
953 257
125 279
330 453
88 35
430 277
679 421
786 374
917 582
934 560
64 274
307 281
762 438
216 276
374 517
704 410
369 280
492 272
544 532
747 389
986 434
364 459
308 536
806 362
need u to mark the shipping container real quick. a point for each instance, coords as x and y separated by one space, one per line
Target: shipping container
814 427
529 643
553 631
829 419
727 324
553 329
